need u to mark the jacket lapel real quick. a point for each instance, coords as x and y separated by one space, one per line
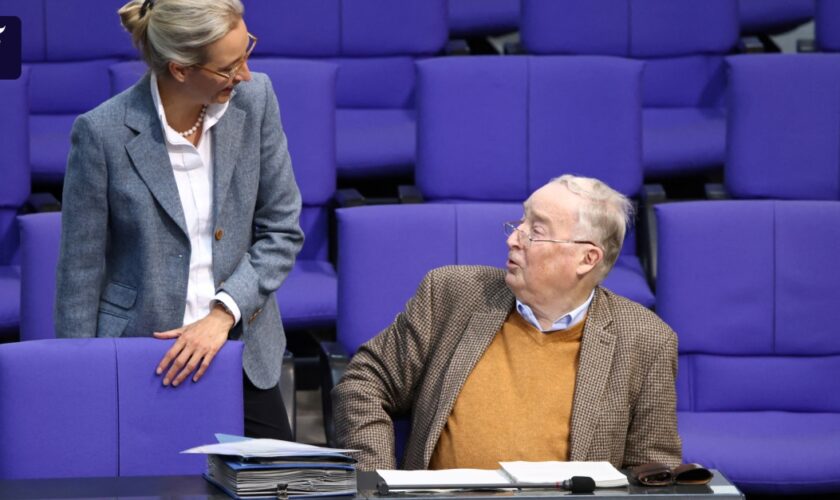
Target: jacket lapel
227 139
596 354
480 331
147 151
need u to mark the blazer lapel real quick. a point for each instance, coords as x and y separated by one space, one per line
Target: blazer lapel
596 353
480 331
227 140
148 152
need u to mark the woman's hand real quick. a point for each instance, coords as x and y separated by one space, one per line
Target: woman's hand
196 346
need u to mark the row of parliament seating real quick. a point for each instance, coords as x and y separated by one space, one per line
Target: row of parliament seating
95 408
683 43
726 266
14 191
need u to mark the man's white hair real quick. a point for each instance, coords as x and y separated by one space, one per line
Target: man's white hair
603 218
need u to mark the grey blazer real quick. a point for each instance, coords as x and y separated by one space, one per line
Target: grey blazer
124 260
624 406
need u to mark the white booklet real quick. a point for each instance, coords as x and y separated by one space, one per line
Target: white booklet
603 473
434 479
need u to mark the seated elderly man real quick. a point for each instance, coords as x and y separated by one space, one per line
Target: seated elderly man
536 362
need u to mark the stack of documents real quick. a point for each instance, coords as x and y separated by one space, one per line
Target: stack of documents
266 468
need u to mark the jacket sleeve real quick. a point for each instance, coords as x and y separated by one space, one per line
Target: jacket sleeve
653 436
381 381
84 235
277 236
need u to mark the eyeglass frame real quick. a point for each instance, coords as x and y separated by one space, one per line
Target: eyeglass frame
235 70
513 226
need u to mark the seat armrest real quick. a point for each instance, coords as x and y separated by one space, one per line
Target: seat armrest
409 194
652 194
715 191
457 47
334 361
287 390
42 202
806 46
751 45
350 197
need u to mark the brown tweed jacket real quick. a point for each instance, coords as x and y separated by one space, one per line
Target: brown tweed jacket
624 408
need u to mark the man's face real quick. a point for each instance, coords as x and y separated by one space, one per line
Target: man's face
538 270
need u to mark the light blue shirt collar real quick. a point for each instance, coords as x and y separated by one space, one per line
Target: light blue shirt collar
565 321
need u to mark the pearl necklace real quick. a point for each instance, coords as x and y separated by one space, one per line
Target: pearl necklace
195 126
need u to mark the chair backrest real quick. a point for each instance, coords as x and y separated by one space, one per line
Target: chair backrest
40 236
94 407
750 287
682 41
384 252
783 133
827 25
366 38
72 42
550 116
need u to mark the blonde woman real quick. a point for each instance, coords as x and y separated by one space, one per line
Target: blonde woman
181 210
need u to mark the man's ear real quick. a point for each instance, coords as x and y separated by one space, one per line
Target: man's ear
590 258
177 71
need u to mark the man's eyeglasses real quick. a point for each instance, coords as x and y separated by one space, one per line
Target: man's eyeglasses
513 227
230 75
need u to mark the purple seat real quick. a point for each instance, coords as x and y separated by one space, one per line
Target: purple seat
774 16
827 25
40 235
94 407
14 191
551 115
483 17
750 287
306 95
56 50
783 130
682 43
367 39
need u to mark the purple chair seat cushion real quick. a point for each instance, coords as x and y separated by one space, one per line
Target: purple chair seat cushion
308 297
683 140
40 235
375 141
9 297
49 139
766 452
627 278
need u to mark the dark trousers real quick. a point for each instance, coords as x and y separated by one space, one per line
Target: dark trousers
265 413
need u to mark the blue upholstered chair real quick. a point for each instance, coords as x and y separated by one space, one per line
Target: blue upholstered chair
682 42
783 132
550 116
773 16
68 46
750 287
40 237
14 191
94 407
374 43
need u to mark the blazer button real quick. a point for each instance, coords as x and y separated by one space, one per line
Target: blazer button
219 234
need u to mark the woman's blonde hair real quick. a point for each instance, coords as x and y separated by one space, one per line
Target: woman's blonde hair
178 30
